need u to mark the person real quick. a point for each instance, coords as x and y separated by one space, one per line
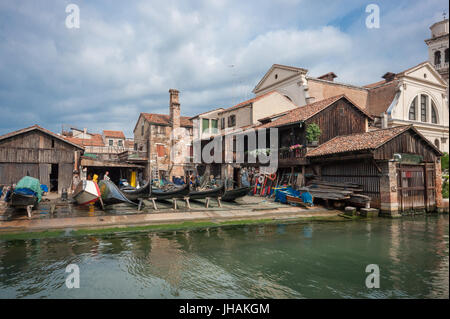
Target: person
106 176
75 180
89 177
95 178
8 194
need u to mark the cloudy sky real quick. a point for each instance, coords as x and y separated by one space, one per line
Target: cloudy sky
126 55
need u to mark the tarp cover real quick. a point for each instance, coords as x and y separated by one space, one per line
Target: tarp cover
32 184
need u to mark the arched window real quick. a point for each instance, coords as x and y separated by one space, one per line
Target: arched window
446 55
412 110
436 143
437 57
434 118
423 107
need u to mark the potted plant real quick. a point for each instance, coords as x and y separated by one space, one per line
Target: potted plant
312 134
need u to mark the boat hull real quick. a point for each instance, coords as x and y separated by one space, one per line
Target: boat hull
23 201
86 192
177 193
234 194
213 193
111 194
135 194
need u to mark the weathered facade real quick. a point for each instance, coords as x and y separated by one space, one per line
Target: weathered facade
39 153
163 143
397 167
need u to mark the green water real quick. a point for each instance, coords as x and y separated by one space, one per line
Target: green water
311 260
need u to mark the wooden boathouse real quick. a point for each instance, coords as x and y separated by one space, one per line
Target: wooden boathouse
39 153
397 167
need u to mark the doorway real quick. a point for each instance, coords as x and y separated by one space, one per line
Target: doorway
54 178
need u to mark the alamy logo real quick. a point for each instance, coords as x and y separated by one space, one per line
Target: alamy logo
73 19
73 280
373 279
373 19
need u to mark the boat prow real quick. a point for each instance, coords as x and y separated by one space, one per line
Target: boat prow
86 192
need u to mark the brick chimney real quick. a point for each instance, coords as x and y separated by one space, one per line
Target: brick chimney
389 76
174 108
328 77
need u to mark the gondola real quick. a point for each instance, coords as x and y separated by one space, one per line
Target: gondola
179 192
86 192
234 194
111 194
134 193
213 193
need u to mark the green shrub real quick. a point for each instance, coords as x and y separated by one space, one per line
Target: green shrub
313 132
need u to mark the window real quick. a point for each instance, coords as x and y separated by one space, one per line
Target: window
142 129
436 143
53 143
214 126
423 107
120 143
135 146
412 110
222 123
161 150
433 113
205 125
111 142
231 120
437 57
446 55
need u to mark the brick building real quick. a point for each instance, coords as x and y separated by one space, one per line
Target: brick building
163 143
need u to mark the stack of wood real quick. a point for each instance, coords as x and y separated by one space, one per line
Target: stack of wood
348 192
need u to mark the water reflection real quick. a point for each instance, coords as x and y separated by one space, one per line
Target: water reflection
271 261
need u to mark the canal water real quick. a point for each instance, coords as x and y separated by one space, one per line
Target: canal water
307 260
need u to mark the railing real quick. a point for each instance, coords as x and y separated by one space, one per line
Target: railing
133 155
441 65
287 154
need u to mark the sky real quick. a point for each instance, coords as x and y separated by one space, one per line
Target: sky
126 55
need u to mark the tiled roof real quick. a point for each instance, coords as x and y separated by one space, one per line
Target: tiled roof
303 113
114 134
163 119
358 142
37 127
129 143
95 140
248 101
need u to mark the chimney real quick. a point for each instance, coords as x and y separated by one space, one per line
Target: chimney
174 107
389 76
328 77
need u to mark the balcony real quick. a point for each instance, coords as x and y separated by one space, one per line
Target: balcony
441 66
133 156
289 156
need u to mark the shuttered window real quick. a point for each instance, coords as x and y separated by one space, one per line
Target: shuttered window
161 150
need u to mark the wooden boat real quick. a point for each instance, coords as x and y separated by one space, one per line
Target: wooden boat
111 194
213 193
19 200
134 194
233 194
86 192
178 192
296 201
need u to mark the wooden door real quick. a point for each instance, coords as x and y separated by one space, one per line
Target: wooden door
411 187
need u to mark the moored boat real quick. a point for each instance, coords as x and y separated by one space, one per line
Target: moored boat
27 194
213 193
178 192
86 192
111 194
134 194
233 194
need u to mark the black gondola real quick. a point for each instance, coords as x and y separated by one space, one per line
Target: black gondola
234 194
111 194
213 193
134 193
179 192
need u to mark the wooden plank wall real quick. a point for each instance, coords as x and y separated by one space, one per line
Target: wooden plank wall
364 173
64 176
406 143
11 173
339 119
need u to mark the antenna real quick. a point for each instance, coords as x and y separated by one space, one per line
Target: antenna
444 14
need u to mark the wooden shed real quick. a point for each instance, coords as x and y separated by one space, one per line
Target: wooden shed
39 153
397 167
